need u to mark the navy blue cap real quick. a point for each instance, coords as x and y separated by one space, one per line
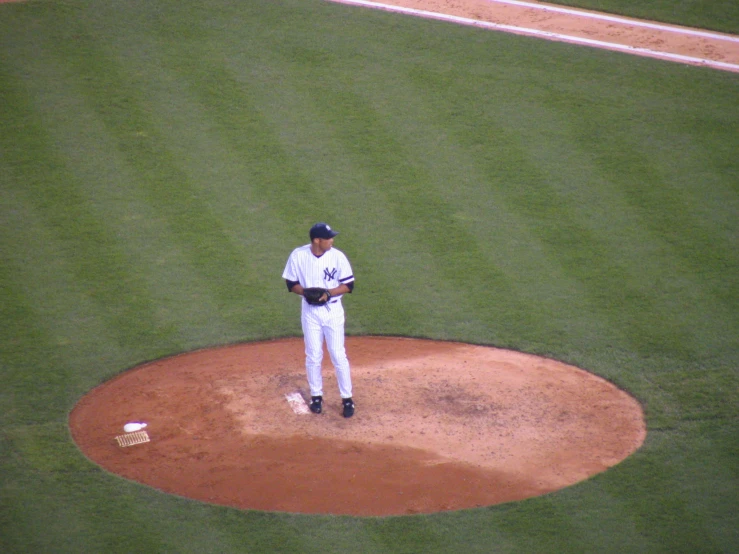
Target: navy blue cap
322 231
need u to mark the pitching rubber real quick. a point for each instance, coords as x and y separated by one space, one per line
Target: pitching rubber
129 439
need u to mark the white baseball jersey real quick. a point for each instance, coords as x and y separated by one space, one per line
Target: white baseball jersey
328 271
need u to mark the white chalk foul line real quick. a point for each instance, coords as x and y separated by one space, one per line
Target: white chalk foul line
617 19
297 403
546 35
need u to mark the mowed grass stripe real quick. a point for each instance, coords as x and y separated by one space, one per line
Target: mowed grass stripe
68 341
235 167
712 445
703 392
683 208
456 169
620 521
307 123
252 121
609 522
594 234
276 181
237 96
178 295
125 112
89 511
478 134
226 88
504 528
548 118
40 177
189 295
666 496
60 521
710 495
428 533
241 136
457 263
571 215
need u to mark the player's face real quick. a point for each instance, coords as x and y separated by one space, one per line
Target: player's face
325 244
321 246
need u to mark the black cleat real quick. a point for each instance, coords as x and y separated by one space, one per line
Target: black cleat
348 405
315 404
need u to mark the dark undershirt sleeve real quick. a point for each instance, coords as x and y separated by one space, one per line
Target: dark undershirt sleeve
291 284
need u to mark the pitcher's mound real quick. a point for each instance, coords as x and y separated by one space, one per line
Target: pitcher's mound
438 426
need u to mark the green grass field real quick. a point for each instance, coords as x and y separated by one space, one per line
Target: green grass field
160 159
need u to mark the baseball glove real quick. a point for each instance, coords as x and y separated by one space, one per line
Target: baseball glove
316 296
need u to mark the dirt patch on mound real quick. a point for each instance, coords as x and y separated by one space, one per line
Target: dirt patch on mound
439 426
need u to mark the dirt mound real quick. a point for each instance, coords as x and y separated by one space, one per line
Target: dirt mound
439 426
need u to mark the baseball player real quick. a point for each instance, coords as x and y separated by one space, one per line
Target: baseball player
321 274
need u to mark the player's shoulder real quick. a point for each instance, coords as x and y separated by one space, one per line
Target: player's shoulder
337 256
342 261
337 252
301 250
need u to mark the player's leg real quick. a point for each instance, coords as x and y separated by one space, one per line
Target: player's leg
313 336
333 330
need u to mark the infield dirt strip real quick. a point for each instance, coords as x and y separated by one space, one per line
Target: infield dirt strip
439 426
583 27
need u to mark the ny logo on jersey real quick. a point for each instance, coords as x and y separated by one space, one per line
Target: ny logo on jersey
329 275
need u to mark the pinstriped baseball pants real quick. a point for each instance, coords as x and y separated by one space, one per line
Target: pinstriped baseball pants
325 323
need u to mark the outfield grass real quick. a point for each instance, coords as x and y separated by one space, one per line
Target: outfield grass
160 159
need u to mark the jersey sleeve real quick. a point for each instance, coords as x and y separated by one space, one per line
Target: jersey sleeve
346 275
291 270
